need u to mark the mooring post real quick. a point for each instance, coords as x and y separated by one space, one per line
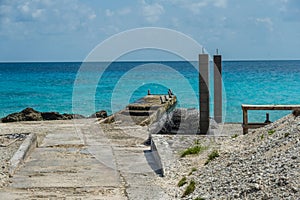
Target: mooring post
267 121
204 93
245 120
218 88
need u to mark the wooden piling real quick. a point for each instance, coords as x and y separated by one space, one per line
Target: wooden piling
218 88
204 93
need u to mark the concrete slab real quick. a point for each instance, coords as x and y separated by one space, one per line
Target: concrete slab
83 160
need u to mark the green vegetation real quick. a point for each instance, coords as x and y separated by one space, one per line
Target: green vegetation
193 170
197 142
262 136
199 198
270 132
234 136
192 150
286 134
214 154
189 189
182 182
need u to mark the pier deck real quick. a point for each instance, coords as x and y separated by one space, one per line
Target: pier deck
144 111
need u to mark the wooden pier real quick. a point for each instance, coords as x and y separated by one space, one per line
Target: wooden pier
245 109
145 110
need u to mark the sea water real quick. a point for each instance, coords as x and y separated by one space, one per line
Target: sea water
111 86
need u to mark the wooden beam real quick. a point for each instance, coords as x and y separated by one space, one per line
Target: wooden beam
270 107
246 107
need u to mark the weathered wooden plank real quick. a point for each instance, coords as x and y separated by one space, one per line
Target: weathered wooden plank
270 107
246 107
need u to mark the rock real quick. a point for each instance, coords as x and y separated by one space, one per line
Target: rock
28 114
52 116
57 116
100 114
72 116
296 113
179 120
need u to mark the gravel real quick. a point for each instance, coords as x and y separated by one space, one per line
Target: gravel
263 164
9 144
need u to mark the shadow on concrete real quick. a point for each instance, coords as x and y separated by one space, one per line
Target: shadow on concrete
151 162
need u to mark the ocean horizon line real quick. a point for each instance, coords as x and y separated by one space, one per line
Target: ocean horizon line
136 61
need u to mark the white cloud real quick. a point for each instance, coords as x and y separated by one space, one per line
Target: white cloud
267 22
92 16
124 11
152 12
220 3
196 6
37 13
48 17
109 13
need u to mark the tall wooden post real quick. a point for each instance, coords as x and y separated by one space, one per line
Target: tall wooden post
218 88
204 93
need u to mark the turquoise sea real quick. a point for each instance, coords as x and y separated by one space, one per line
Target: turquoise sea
49 86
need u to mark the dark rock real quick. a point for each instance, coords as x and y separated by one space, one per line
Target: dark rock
296 112
57 116
180 120
52 116
28 114
72 116
100 114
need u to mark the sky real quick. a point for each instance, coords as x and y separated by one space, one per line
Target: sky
68 30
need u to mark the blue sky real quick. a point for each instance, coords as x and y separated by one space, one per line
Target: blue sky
67 30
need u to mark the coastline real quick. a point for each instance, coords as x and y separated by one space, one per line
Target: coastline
231 148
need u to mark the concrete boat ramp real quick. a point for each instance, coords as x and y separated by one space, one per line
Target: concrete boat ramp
83 159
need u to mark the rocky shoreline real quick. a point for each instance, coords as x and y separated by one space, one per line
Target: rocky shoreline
263 164
29 114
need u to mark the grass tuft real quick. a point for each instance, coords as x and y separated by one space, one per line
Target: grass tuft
189 189
234 136
193 170
192 150
199 198
197 142
213 155
182 182
271 132
286 134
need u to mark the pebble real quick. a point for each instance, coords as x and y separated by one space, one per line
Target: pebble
251 168
6 153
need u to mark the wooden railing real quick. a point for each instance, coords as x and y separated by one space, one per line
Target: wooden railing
245 109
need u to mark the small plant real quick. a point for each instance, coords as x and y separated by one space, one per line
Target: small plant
197 142
270 132
213 155
262 136
192 150
189 189
234 136
182 182
199 198
193 170
286 134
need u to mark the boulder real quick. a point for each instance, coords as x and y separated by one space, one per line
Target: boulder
28 114
57 116
296 112
72 116
100 114
52 116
